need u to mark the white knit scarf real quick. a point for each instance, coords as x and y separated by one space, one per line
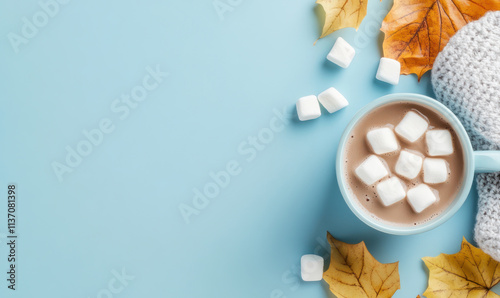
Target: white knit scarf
466 78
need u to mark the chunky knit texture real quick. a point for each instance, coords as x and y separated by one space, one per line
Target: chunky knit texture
466 78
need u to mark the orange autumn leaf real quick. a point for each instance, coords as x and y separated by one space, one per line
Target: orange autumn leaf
417 30
468 273
354 272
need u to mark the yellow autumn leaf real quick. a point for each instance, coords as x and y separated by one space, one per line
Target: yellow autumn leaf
354 272
468 273
341 14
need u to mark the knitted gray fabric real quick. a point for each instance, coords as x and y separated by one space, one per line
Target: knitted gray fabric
466 78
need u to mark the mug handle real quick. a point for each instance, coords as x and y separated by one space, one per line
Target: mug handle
487 161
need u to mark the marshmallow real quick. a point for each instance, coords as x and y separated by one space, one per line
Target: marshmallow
388 71
421 197
409 164
311 267
332 100
391 191
439 142
382 140
308 108
342 53
371 170
412 127
435 170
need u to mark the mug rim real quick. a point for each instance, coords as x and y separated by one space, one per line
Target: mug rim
446 214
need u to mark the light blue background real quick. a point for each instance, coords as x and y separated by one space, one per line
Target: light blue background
119 207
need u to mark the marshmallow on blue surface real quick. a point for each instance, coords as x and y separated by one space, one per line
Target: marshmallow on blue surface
388 71
308 108
342 53
311 267
332 100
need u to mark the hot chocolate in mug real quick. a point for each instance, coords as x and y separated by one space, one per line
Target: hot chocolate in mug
474 162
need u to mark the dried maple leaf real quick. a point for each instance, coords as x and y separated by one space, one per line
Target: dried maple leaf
417 30
341 14
354 272
468 273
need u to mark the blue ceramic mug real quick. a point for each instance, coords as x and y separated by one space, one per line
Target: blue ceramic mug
475 162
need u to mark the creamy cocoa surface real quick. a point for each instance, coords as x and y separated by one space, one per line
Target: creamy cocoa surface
357 150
